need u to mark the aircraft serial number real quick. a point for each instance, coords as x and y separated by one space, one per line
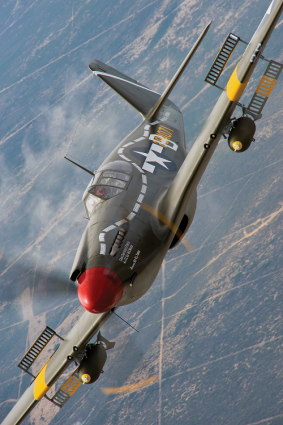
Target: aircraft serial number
135 259
126 253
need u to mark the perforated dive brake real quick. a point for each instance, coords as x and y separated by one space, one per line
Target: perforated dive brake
221 59
264 89
35 350
66 390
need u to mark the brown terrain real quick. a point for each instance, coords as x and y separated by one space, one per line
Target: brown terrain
211 326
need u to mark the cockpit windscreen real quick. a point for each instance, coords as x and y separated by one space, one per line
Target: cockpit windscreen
110 180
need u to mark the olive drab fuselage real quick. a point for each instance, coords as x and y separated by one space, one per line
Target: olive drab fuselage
153 153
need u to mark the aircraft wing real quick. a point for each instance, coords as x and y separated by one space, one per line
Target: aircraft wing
184 185
75 342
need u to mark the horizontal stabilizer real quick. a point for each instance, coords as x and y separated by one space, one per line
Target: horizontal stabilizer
140 97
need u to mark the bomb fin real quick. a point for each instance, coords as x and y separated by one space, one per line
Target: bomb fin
107 343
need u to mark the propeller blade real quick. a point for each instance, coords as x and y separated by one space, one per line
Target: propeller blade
42 284
161 217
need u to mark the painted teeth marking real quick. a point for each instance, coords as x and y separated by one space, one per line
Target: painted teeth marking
139 168
143 189
130 216
121 222
127 144
102 237
140 198
109 228
146 130
124 157
136 207
167 114
102 248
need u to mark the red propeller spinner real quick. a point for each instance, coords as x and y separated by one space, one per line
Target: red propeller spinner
99 289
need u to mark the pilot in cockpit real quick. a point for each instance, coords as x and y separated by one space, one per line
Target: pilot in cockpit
110 180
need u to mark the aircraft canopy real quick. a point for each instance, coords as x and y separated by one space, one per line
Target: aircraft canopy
110 180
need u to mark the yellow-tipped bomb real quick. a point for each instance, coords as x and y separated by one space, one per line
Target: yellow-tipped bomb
241 135
86 378
237 146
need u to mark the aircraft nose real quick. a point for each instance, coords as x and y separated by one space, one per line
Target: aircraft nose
99 289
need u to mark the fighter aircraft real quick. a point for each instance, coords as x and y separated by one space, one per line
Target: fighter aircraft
141 202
